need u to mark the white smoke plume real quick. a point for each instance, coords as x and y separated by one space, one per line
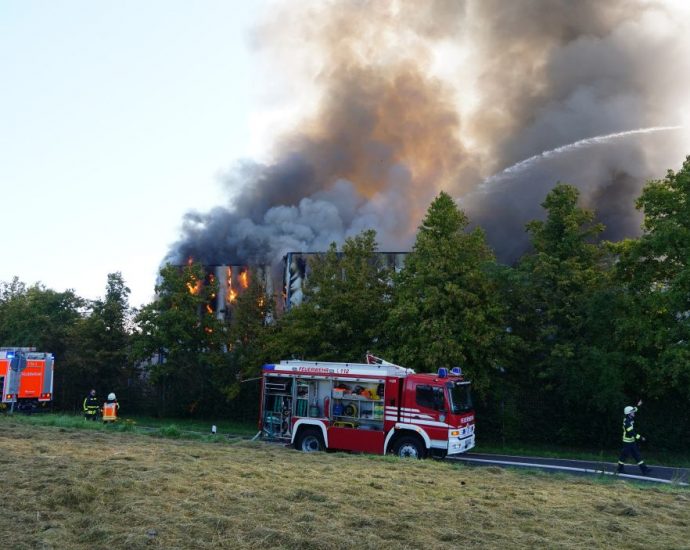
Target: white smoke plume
408 98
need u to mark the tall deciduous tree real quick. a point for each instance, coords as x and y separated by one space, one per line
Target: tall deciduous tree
99 345
560 311
37 316
251 314
655 272
445 309
180 341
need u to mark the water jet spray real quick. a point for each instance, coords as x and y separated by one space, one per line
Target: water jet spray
524 164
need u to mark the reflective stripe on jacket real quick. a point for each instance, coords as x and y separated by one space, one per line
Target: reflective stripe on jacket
91 405
630 435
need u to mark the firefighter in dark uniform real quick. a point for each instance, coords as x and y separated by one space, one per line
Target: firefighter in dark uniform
630 440
91 406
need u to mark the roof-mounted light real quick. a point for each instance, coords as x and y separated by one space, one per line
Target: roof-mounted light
442 372
456 371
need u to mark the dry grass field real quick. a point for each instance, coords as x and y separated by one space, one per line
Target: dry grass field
69 488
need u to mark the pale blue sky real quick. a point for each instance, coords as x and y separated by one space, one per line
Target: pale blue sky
115 119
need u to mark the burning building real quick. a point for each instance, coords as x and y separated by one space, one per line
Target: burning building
285 286
296 271
231 281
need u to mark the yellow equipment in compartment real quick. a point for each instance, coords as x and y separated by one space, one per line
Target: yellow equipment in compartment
350 410
342 424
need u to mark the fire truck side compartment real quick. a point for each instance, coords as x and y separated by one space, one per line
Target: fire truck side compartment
362 407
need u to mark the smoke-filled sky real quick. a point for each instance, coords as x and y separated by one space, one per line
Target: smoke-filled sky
399 100
322 118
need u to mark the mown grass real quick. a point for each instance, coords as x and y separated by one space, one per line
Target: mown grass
200 430
175 428
202 426
68 488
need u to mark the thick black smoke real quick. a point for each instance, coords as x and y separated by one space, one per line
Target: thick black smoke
565 71
416 97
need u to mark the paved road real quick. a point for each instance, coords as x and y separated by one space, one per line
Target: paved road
659 474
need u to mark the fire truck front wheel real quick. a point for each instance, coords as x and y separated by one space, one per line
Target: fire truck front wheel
409 446
309 440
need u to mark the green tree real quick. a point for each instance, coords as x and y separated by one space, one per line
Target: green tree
656 273
346 303
13 309
179 341
561 309
236 376
98 355
445 312
654 329
37 316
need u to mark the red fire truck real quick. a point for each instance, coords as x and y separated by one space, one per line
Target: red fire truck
26 378
375 407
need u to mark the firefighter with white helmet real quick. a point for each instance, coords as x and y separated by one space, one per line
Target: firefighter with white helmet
112 399
110 408
630 441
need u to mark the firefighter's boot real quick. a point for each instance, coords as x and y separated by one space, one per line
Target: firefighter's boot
621 468
646 470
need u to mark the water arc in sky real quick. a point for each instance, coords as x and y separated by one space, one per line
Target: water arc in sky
524 164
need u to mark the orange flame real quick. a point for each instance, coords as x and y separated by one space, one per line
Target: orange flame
212 280
194 287
231 295
244 278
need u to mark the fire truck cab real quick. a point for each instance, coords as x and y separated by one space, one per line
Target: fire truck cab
374 407
26 378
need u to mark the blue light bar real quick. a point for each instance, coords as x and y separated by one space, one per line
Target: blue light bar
269 367
442 372
456 371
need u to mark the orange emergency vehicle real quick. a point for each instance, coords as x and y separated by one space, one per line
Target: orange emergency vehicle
26 378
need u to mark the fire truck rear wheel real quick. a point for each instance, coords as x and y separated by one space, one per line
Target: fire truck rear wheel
309 440
409 446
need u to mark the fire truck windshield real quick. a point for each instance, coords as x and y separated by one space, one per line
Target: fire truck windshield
460 397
